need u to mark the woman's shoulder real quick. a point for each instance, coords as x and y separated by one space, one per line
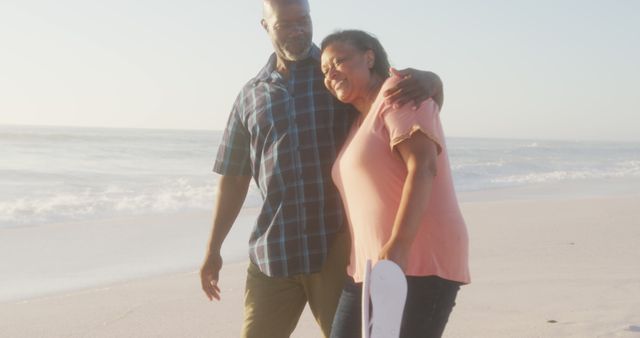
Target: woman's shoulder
428 106
389 83
382 105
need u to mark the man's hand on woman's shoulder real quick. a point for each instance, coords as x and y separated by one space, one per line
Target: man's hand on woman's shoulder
415 85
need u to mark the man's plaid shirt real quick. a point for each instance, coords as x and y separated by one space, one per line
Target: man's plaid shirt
287 136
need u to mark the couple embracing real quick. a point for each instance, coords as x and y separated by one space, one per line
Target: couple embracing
352 165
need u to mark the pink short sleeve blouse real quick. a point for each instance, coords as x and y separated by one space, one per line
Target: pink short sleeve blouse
370 175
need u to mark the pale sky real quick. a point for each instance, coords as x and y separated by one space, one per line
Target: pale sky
512 69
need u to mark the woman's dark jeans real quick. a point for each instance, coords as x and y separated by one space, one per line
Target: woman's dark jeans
430 300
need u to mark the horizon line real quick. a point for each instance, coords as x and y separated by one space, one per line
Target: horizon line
220 130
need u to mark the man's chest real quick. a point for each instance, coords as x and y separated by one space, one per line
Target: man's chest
278 112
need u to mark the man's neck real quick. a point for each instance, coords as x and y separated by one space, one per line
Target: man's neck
283 66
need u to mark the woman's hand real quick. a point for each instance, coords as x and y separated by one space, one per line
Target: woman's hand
397 252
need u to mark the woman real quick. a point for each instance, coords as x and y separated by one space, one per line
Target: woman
394 178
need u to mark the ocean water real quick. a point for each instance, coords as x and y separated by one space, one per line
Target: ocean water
59 174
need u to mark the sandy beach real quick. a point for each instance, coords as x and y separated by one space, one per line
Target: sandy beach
560 266
117 119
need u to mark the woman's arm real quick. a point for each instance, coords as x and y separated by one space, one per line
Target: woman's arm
419 154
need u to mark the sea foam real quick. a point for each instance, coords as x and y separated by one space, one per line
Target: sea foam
52 174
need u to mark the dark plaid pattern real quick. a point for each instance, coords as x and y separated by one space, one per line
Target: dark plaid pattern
287 136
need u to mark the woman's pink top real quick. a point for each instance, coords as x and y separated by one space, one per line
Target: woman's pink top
370 175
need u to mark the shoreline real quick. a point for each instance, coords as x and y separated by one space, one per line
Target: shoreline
119 250
558 267
59 258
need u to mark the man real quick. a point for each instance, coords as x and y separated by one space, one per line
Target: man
285 130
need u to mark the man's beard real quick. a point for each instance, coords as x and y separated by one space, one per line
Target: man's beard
297 50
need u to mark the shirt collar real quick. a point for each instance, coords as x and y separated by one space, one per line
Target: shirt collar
265 74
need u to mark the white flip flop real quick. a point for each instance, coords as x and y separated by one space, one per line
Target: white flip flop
366 319
387 287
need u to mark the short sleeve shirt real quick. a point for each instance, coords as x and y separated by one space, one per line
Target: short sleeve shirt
371 175
286 135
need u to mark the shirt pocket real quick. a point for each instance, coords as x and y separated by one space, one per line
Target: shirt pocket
269 120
